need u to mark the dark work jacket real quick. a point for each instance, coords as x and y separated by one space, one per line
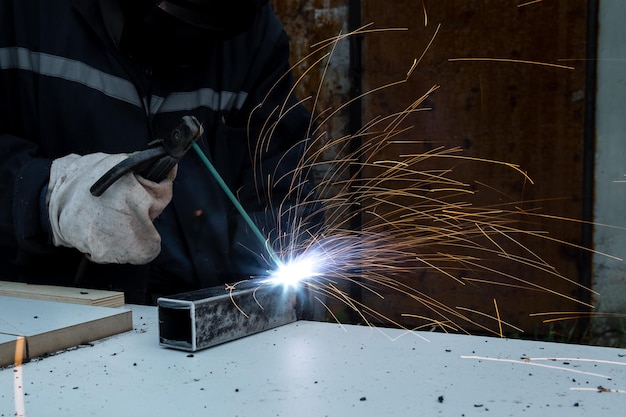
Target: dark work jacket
66 88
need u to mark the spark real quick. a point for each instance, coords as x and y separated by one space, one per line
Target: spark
515 61
417 61
230 288
540 365
574 315
497 318
605 362
18 380
599 389
495 303
528 3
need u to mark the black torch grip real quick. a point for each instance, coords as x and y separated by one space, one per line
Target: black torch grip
156 162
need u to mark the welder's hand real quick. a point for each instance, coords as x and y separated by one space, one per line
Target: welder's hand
115 227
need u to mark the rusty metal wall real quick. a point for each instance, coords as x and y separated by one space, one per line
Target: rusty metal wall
489 103
526 113
323 82
309 23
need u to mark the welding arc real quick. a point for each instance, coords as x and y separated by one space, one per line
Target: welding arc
236 203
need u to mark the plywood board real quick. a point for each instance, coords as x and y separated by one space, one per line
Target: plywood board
50 326
64 294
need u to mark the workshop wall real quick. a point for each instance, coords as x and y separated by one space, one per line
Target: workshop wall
523 104
609 276
323 84
531 115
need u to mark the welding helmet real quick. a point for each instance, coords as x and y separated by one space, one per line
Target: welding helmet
172 31
215 15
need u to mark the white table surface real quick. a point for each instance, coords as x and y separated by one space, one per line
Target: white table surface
320 369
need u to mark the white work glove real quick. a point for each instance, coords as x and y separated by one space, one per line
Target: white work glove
115 227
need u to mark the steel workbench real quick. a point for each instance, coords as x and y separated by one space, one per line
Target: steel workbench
319 369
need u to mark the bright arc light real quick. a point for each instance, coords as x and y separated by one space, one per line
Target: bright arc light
291 273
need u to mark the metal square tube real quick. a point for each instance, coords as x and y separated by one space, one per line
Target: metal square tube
200 319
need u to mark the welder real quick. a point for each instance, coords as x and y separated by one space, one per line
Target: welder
86 83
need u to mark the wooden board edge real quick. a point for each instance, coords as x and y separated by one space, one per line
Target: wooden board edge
7 350
50 342
72 295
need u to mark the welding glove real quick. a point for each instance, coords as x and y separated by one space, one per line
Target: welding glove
115 227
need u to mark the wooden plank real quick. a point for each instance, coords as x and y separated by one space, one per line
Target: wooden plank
50 326
92 297
8 344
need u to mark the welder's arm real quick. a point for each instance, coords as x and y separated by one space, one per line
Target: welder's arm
115 227
23 177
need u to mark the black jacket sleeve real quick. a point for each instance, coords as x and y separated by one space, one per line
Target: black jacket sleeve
22 183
